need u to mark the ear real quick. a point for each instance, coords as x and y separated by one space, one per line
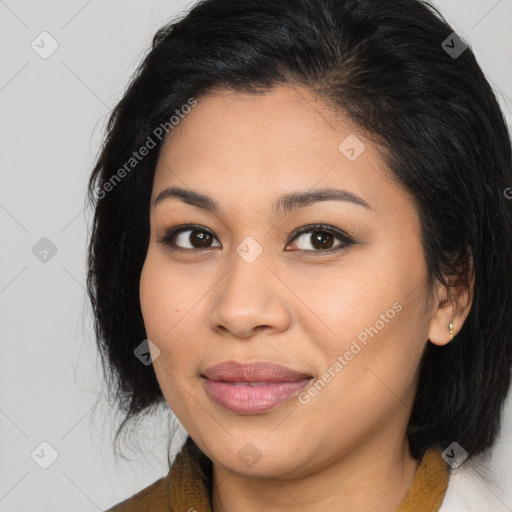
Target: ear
451 305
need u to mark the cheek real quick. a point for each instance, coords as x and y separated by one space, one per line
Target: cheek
153 300
171 309
164 297
349 302
369 371
373 320
164 303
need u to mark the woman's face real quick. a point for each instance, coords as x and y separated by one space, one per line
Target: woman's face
347 308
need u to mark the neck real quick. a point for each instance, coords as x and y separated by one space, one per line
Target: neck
375 478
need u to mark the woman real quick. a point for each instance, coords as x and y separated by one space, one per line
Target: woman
301 221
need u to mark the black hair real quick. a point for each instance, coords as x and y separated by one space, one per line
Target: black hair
390 68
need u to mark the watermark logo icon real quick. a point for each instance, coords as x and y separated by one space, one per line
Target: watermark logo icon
453 45
351 147
44 250
147 352
44 45
249 454
249 249
454 455
44 455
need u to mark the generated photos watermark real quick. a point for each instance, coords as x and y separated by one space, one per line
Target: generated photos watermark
342 360
137 156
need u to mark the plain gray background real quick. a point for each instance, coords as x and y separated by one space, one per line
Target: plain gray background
53 109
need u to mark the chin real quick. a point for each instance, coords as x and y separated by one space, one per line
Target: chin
256 456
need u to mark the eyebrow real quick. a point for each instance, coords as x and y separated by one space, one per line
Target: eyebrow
283 205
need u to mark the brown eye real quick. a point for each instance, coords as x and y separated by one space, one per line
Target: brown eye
188 239
196 238
321 239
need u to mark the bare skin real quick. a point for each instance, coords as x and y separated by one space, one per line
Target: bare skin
345 448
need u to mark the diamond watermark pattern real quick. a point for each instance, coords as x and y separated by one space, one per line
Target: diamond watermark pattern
44 45
249 250
351 147
249 454
44 250
453 45
147 352
454 455
44 455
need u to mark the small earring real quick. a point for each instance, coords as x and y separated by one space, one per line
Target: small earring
451 329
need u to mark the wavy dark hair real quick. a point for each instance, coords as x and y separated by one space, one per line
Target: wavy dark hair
433 116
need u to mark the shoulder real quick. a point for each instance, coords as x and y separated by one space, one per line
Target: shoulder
154 497
189 479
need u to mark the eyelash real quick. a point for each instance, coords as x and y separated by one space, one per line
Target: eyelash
347 240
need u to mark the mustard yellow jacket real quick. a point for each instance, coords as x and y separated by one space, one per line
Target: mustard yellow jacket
187 486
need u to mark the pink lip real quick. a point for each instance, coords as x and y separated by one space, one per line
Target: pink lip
228 383
256 371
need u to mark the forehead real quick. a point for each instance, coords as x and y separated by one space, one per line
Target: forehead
236 146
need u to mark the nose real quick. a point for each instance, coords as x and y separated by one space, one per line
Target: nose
250 298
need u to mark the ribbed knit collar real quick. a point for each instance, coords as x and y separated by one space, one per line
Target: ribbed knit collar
190 481
188 485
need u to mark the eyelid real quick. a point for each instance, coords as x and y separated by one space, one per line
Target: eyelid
171 233
346 238
339 233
